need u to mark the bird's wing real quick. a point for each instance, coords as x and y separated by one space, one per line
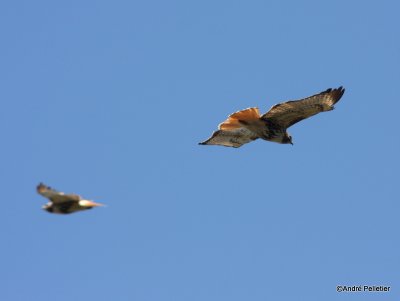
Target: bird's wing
288 113
233 138
56 196
231 132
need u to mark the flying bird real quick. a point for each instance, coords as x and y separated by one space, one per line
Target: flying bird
248 125
64 203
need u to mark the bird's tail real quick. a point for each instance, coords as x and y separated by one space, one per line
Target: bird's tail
233 121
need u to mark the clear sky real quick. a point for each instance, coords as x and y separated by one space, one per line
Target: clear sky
108 99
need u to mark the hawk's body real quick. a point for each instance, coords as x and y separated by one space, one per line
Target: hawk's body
248 125
63 203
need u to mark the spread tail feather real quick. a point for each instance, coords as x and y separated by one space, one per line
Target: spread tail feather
233 120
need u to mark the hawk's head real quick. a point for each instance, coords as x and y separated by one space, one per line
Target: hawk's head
287 139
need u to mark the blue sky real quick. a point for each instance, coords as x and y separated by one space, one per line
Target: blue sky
109 99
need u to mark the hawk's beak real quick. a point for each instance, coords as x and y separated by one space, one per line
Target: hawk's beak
291 143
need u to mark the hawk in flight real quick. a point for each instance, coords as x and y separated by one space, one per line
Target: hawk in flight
64 203
248 125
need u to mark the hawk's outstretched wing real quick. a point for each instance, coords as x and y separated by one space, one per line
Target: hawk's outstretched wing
234 138
56 196
231 132
288 113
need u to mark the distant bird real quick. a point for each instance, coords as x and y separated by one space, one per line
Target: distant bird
64 203
248 125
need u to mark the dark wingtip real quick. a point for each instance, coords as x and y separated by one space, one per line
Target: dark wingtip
341 92
336 93
340 89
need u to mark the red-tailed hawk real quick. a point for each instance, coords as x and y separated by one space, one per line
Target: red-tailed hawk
64 203
248 125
